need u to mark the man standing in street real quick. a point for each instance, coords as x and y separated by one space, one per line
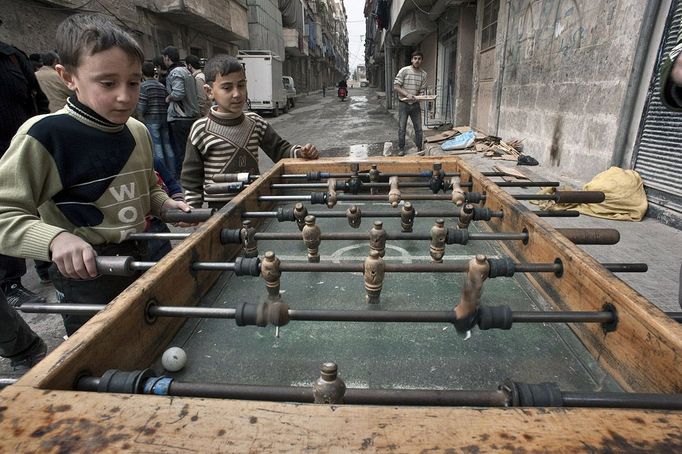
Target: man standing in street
183 106
410 82
52 85
194 67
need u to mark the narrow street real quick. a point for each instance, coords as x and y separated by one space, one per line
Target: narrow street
358 127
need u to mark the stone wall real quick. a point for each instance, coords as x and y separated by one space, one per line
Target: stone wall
566 71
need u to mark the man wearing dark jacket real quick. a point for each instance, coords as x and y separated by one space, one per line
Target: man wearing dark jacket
20 99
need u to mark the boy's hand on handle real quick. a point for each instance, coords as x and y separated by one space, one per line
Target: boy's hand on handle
309 151
171 204
74 257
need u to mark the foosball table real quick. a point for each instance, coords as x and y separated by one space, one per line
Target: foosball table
334 306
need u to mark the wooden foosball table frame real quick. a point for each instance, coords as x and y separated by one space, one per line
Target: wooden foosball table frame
43 413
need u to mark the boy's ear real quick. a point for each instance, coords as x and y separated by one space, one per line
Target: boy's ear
209 91
66 76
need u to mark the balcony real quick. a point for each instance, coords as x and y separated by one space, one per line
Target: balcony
414 27
295 44
223 19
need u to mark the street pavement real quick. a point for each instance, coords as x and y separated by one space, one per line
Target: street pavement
362 128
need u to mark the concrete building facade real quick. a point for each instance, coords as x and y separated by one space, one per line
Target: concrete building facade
309 35
575 79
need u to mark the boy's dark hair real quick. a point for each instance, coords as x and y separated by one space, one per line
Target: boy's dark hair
36 57
88 34
194 61
148 69
172 53
158 61
221 65
50 58
417 53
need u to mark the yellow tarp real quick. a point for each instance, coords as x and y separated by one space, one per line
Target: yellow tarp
624 191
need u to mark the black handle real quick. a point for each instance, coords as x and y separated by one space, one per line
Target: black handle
579 197
591 236
196 215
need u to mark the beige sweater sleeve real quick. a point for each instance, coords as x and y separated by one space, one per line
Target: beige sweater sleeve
29 178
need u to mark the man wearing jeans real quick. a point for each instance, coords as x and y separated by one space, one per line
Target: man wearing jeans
183 107
152 110
410 82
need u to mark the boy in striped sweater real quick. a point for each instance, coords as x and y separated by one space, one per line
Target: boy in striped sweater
227 140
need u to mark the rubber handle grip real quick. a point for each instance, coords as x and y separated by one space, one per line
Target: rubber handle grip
591 236
224 188
115 265
626 267
580 197
196 215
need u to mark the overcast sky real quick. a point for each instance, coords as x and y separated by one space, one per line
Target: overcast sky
356 33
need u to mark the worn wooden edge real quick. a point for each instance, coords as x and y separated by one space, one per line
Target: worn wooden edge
643 353
65 421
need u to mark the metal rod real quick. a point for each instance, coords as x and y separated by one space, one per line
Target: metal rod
329 315
562 317
431 397
369 214
5 382
428 397
244 392
358 267
191 312
365 174
623 400
411 184
389 236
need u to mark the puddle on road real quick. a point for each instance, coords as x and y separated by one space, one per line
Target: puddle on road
358 98
365 150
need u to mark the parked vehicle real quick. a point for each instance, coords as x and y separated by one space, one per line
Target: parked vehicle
290 90
264 81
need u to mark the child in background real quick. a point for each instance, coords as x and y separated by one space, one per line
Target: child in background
77 182
227 140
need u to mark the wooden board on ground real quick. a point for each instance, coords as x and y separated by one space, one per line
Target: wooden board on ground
421 98
506 157
510 171
440 136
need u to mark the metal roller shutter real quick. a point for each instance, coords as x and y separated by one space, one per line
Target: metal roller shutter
659 150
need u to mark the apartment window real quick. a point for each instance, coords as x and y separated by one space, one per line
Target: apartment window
165 38
489 32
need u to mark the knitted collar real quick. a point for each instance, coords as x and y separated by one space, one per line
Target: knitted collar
86 115
221 120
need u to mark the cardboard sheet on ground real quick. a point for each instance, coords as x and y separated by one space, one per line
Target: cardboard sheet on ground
440 136
625 197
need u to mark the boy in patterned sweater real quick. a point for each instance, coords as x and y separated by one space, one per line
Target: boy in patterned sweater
227 140
77 182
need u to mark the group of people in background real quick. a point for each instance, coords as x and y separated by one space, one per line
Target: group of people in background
77 181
